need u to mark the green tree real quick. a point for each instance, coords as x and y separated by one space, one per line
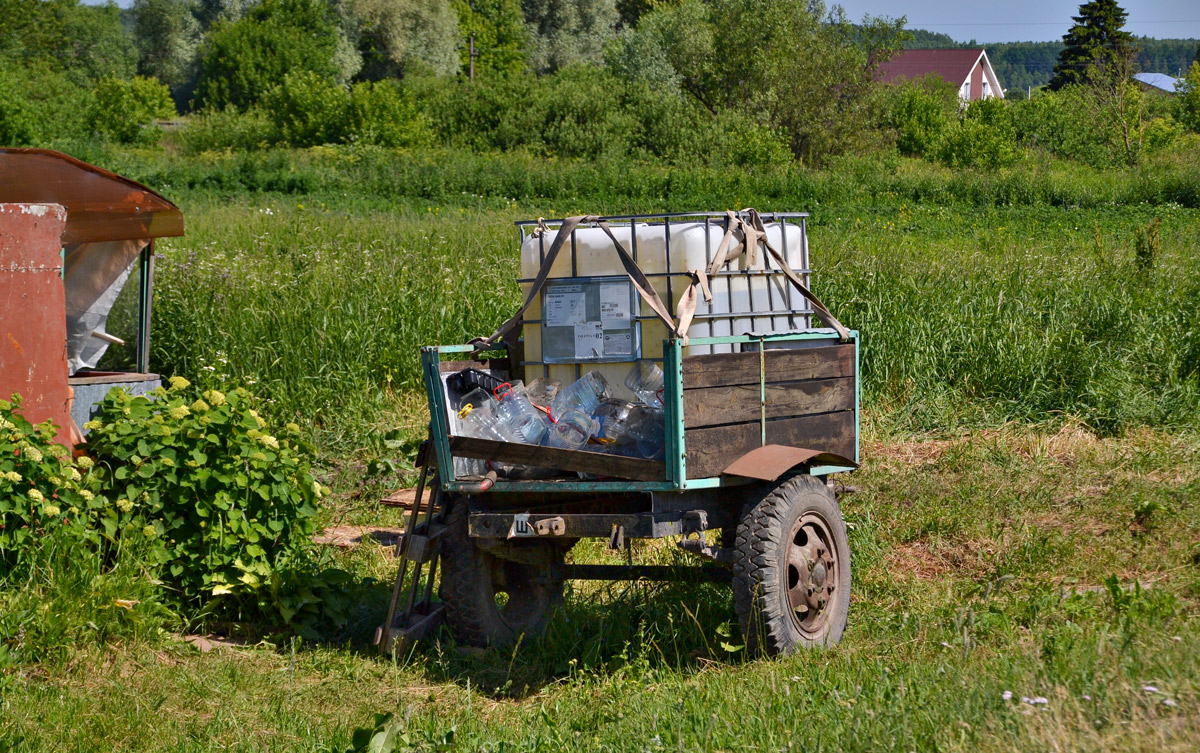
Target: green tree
247 58
124 110
85 41
1188 98
794 68
397 37
562 32
500 37
1095 35
167 36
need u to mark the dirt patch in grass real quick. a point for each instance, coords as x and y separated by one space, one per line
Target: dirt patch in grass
925 561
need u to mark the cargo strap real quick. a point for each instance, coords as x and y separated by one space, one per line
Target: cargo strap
753 234
636 276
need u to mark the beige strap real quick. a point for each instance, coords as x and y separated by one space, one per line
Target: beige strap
640 282
753 233
686 308
564 232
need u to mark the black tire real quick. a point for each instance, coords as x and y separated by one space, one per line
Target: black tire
492 601
791 549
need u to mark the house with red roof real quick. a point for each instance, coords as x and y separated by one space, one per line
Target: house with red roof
969 70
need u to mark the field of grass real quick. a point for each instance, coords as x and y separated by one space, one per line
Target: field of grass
1027 520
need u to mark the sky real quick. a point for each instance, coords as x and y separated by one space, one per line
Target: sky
1027 20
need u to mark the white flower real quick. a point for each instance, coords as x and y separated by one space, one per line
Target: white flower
35 495
1006 695
1035 701
1149 688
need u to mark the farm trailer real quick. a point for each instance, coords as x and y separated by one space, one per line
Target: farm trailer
752 437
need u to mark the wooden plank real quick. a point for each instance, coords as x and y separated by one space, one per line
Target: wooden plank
710 450
713 406
598 463
725 369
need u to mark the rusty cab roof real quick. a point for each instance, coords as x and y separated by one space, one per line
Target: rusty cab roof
101 205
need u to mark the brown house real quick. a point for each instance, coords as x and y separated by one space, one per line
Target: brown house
968 70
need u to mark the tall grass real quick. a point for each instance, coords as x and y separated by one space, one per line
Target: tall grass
978 314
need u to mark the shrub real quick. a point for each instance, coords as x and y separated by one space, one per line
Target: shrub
39 106
382 113
919 113
308 110
984 137
125 110
16 124
211 130
224 505
41 489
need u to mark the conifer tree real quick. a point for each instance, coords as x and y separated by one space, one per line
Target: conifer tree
1095 36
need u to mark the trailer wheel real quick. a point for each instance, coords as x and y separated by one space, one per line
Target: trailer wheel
491 601
791 573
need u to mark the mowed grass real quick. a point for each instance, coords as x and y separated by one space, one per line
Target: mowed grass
1043 561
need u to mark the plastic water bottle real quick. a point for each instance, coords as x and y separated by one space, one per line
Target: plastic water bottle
648 424
572 430
645 380
524 422
612 415
583 395
476 418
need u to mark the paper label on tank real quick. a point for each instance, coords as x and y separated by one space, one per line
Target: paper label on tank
589 340
566 306
614 303
618 343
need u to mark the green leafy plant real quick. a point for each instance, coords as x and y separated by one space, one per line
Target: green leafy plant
308 109
42 489
224 503
125 110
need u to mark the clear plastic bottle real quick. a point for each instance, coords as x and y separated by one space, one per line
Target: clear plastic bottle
582 395
572 430
476 418
648 425
645 380
612 415
524 422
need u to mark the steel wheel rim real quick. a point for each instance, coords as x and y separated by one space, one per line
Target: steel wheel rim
811 571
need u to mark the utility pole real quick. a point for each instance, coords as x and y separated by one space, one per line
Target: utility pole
473 53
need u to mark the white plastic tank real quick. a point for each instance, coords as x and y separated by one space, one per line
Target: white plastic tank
594 319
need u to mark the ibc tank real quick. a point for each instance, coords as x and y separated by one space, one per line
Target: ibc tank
746 299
